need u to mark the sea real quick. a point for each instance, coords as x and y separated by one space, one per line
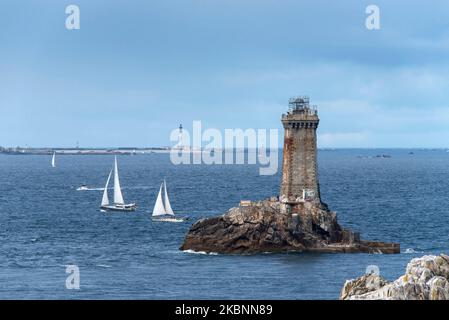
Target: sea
47 225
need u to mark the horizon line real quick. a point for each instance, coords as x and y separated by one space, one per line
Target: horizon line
169 148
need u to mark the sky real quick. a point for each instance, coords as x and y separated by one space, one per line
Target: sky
136 69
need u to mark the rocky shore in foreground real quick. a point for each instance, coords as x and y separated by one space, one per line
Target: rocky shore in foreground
264 227
426 278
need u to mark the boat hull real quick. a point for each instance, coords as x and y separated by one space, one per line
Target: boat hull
125 207
170 219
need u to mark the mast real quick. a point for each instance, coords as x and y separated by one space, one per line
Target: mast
168 208
159 209
118 197
105 200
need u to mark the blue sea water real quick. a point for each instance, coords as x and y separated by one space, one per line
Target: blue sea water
45 224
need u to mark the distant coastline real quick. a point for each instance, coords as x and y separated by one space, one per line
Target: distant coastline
151 150
83 151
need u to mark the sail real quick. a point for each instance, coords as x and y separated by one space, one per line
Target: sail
118 197
53 160
159 209
168 208
105 200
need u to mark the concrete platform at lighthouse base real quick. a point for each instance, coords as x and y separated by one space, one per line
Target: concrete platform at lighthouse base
360 247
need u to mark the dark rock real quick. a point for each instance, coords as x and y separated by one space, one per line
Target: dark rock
264 227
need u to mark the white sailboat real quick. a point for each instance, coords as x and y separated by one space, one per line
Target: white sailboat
83 187
119 203
53 160
163 211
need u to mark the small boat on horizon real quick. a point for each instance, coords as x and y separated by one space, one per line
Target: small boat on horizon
163 211
383 156
119 204
83 187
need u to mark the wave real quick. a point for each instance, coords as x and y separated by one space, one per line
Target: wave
123 188
411 251
103 266
92 189
37 239
201 252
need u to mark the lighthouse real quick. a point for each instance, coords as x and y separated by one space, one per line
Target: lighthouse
299 168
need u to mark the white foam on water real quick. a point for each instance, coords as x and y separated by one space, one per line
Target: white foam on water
102 189
411 251
201 252
92 189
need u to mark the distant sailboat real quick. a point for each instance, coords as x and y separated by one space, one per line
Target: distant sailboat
53 160
163 211
119 203
83 187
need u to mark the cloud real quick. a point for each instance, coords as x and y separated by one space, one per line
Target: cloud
230 64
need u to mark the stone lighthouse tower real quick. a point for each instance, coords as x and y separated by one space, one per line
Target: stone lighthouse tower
299 168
